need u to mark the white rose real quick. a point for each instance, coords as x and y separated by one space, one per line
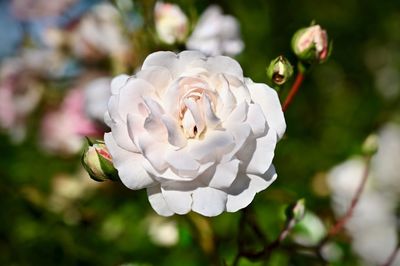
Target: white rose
216 34
171 23
194 132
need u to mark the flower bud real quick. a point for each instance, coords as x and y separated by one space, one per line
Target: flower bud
97 161
311 44
279 70
171 23
370 145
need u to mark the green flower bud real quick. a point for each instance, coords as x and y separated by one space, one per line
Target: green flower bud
279 70
311 44
370 145
98 163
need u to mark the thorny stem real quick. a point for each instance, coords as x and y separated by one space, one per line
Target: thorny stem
293 90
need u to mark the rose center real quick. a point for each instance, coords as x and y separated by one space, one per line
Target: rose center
191 113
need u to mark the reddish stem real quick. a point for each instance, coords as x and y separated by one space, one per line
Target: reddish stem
338 226
293 90
392 257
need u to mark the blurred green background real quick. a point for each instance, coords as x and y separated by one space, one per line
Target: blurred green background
53 214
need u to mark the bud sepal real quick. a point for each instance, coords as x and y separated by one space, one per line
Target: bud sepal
97 161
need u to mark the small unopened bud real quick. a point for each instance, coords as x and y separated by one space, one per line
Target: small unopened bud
296 211
171 23
98 163
311 44
370 145
279 70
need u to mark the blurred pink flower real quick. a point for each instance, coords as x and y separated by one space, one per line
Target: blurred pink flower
63 130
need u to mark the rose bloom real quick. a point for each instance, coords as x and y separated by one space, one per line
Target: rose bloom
194 132
216 34
171 23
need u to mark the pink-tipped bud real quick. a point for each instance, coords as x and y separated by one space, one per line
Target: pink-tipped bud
98 163
311 44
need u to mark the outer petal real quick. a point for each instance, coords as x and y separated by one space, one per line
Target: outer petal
261 157
243 190
209 201
225 174
178 200
157 201
118 82
224 64
268 100
129 165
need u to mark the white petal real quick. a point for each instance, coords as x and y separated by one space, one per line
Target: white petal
120 133
131 95
256 120
169 175
159 77
212 121
162 58
129 165
212 146
241 134
178 201
268 100
158 202
118 82
209 201
261 157
175 63
196 113
175 135
227 101
243 189
224 64
182 163
225 174
238 115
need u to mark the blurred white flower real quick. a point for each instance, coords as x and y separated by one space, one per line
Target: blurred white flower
385 162
99 35
373 225
171 23
63 130
20 93
310 230
97 93
194 132
216 34
163 231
